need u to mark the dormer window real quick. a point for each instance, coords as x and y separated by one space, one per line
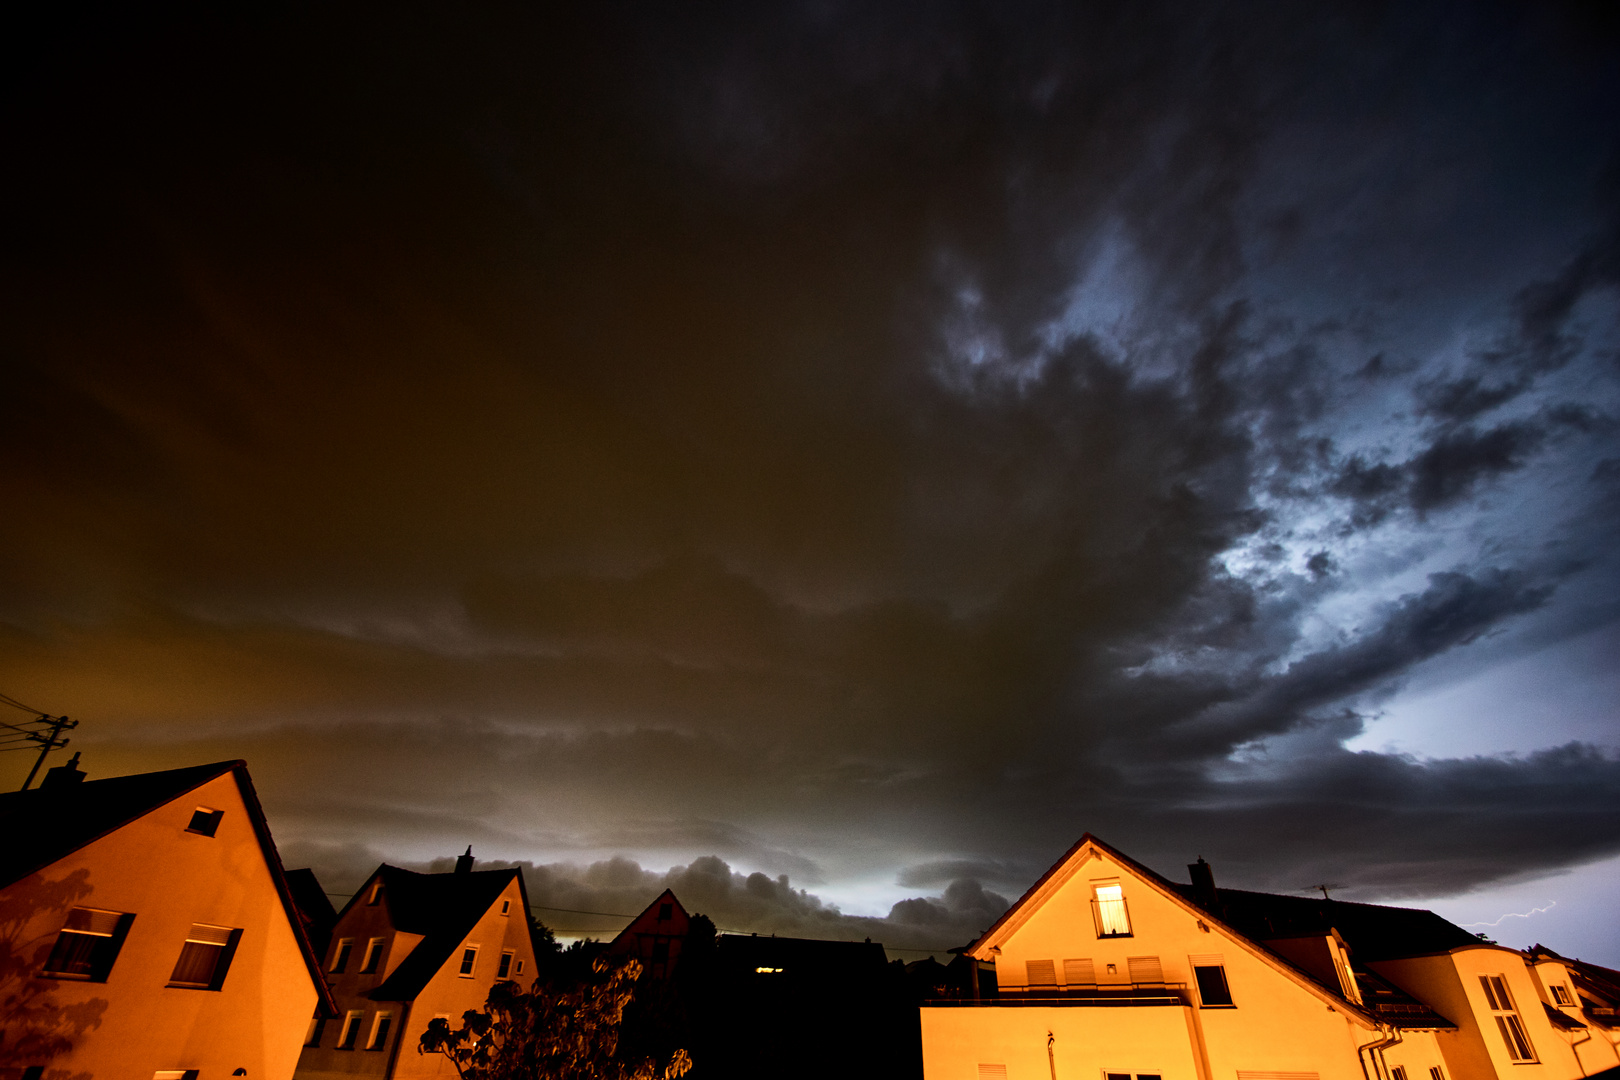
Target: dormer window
205 821
1109 911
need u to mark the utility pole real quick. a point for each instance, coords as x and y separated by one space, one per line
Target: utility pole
48 742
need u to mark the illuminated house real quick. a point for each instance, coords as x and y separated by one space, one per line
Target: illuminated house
148 930
655 936
1105 969
410 947
1584 993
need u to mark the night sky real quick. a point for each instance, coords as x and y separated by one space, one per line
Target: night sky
828 456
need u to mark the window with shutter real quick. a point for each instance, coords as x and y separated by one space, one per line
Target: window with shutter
1079 973
1145 970
1041 972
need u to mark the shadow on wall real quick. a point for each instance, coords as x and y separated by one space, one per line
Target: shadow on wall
34 1027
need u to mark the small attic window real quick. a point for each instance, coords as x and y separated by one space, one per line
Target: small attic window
204 821
665 912
376 895
506 907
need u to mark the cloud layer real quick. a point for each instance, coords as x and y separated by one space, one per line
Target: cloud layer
861 444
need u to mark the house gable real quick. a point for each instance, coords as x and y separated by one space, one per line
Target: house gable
1064 932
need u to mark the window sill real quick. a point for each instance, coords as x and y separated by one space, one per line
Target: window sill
190 986
1217 1006
1104 937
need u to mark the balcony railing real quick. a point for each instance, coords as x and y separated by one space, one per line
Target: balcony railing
1112 918
1091 997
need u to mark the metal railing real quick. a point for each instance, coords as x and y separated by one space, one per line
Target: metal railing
1126 996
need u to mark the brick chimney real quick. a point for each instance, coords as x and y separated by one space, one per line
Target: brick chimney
62 776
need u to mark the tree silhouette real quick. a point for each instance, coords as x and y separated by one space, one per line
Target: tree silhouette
562 1030
35 1028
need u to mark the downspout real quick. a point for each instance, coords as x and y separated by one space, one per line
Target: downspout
1388 1039
1051 1059
1395 1039
399 1040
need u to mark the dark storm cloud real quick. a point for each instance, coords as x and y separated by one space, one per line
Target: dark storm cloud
807 440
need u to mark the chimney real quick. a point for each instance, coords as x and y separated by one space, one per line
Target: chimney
1203 884
464 862
62 775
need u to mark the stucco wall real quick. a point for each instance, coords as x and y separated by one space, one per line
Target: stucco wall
134 1024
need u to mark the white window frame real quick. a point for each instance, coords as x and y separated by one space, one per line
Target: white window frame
342 949
1499 1001
372 960
349 1033
468 969
1109 910
383 1016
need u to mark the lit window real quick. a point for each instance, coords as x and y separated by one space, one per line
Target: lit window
87 945
1040 972
1507 1018
469 957
205 957
1108 904
373 956
379 1031
1560 994
340 958
506 966
205 821
1213 992
351 1029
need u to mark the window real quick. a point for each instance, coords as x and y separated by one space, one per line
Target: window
317 1028
1397 1073
373 956
340 958
205 821
1079 973
379 1031
87 945
205 957
992 1072
1108 908
506 907
666 911
1560 994
1127 1076
351 1029
33 1072
506 966
1435 1073
469 957
169 1074
519 970
1507 1018
376 894
1040 973
1209 972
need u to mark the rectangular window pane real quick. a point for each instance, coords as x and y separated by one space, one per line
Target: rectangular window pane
506 966
379 1032
1212 988
1041 972
992 1072
351 1030
1145 970
1112 919
468 958
196 964
340 959
373 955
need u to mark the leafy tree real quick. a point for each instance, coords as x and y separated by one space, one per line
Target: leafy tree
567 1031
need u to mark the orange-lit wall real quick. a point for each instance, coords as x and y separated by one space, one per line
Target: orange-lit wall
133 1024
1595 1048
1449 983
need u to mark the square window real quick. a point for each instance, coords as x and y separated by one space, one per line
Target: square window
374 950
1040 973
666 911
1560 994
205 821
87 945
205 957
469 957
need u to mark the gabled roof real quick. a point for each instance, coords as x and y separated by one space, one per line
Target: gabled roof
1065 868
647 921
48 824
443 908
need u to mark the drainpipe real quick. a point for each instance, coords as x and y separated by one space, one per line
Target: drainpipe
1051 1059
1388 1037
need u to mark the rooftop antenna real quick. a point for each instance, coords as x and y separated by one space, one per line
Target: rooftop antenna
35 731
1325 886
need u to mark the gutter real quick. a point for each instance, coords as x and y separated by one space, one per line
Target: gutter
1391 1037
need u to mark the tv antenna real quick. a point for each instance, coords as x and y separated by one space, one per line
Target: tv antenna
1325 886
